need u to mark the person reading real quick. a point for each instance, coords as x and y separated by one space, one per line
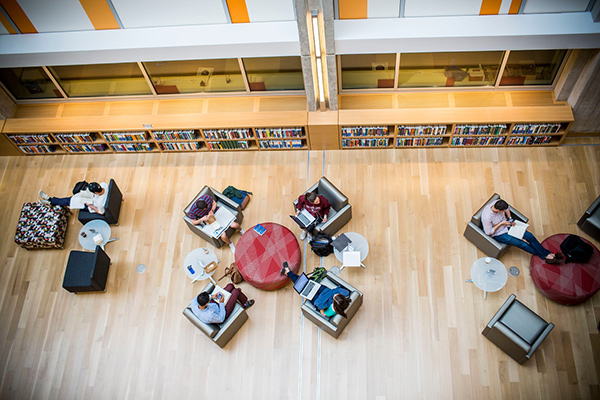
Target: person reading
94 198
212 309
203 210
317 206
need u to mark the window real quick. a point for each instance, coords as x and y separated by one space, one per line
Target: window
458 69
532 67
101 80
274 73
195 76
28 83
368 71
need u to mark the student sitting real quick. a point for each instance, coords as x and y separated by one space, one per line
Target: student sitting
95 205
316 205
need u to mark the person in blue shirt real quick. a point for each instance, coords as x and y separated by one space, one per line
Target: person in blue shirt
212 309
328 301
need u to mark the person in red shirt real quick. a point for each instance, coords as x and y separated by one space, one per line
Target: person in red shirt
316 205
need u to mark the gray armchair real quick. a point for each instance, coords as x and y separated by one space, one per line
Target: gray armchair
517 330
340 212
475 234
590 221
221 333
336 324
222 201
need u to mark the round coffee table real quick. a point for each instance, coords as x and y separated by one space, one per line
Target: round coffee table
91 229
260 258
197 260
489 275
568 284
359 243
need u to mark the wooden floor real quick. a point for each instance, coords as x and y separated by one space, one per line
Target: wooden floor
417 335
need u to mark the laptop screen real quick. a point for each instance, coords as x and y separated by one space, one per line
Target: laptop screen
300 283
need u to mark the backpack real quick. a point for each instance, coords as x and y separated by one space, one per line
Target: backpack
576 250
321 245
318 274
79 186
233 273
241 197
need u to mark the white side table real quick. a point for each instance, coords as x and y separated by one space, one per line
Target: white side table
359 243
91 229
489 275
197 259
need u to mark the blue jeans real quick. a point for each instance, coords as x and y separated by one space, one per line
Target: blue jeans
60 201
529 243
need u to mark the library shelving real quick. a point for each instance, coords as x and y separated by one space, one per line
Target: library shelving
84 137
180 146
86 148
281 138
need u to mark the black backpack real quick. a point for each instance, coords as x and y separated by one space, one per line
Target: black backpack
576 250
321 245
79 186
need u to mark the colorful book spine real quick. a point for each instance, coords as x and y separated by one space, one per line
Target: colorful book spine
532 129
27 139
352 131
491 129
424 130
39 149
175 135
125 136
85 148
365 142
75 137
279 132
280 144
132 147
228 133
407 142
478 141
180 146
528 140
228 145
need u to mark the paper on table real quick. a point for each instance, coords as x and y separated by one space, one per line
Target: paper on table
518 230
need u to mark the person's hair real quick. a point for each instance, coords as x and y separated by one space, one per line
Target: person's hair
311 197
501 205
203 299
201 204
94 187
340 303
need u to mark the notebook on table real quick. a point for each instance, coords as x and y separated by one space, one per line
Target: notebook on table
306 287
351 259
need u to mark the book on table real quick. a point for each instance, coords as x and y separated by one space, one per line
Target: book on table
222 220
220 290
518 230
78 200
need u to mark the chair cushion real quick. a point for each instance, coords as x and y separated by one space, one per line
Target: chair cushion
523 322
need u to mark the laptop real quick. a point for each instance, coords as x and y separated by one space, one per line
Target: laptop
304 219
306 287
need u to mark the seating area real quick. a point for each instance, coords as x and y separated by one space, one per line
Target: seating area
112 207
590 220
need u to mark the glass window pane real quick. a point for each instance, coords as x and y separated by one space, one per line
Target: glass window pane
196 76
28 83
458 69
368 71
101 80
274 73
532 67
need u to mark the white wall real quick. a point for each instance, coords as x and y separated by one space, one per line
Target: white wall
152 13
554 6
383 8
270 10
56 15
429 8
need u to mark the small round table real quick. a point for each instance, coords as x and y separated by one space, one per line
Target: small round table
260 258
489 275
91 229
570 283
198 259
359 243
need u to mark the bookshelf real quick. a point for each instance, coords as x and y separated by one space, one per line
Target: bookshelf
291 138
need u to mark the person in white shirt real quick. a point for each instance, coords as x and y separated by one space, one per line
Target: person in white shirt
99 192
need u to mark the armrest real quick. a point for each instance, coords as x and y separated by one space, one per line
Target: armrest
517 215
339 282
227 201
595 205
540 339
317 316
338 318
209 330
502 310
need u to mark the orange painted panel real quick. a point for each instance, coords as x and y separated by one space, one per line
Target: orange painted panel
353 9
490 7
100 14
238 11
18 16
515 5
7 24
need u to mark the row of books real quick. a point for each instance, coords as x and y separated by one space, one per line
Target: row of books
365 142
75 137
421 130
420 142
478 141
180 146
39 149
25 139
125 136
132 147
495 129
280 144
228 133
175 135
528 129
365 131
279 132
515 141
85 148
228 145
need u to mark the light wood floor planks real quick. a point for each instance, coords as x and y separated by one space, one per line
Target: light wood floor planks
417 335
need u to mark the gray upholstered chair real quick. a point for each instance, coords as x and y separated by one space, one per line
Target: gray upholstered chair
475 234
336 324
86 271
590 221
221 333
112 207
517 330
222 201
339 213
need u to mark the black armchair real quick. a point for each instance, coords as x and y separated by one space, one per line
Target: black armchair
112 207
86 271
590 221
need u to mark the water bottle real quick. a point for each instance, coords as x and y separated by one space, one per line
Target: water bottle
189 267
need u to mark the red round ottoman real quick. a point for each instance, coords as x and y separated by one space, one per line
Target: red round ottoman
259 258
566 283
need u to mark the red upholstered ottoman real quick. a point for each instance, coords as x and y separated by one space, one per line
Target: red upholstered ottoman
566 283
259 258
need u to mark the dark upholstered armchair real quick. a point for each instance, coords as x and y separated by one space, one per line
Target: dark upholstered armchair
222 201
86 271
221 333
340 212
112 207
336 324
475 234
590 221
517 330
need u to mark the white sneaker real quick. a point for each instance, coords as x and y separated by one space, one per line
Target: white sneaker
45 202
242 231
232 247
303 235
309 237
43 195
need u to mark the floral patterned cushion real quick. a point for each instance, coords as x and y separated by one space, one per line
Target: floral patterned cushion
41 227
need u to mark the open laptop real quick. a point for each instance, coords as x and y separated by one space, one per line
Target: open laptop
306 287
304 219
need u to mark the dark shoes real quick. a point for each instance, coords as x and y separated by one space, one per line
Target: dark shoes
559 256
554 260
249 304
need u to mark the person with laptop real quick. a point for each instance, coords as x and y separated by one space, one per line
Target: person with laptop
203 209
328 301
317 206
496 220
212 309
